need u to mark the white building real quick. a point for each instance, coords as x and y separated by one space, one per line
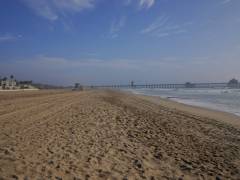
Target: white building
8 83
12 84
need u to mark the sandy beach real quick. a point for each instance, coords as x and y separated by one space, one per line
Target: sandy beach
113 135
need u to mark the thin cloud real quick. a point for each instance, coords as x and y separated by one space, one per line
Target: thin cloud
116 26
142 3
160 22
9 38
118 63
162 35
163 27
146 3
226 1
59 70
53 9
60 63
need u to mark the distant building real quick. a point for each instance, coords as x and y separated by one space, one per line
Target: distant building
77 87
8 83
233 83
189 85
25 84
12 84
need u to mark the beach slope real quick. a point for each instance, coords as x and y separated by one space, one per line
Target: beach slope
111 135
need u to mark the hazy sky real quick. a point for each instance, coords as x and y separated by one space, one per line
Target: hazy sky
116 41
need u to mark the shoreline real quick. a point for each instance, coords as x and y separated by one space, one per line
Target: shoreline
192 109
223 100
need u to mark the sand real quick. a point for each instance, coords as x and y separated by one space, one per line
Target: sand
111 135
196 110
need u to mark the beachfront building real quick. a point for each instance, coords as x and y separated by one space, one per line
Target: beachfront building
25 84
10 83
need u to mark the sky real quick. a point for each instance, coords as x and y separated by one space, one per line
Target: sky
97 42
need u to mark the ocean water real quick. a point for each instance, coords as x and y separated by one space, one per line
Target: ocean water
226 100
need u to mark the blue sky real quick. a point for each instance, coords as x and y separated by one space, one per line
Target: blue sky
116 41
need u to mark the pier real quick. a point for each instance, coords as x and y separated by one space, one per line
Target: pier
168 86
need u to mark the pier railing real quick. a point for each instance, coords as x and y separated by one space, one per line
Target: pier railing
169 86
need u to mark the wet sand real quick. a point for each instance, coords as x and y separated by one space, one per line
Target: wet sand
112 135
